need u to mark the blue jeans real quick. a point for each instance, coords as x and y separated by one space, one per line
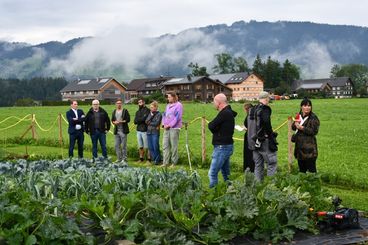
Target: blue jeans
79 137
220 161
153 141
98 136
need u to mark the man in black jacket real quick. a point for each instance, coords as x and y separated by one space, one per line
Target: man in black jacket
222 128
261 138
97 125
140 120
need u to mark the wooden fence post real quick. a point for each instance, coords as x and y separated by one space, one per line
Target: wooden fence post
290 144
203 140
60 130
33 127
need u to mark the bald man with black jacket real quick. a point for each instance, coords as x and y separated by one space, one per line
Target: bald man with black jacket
222 129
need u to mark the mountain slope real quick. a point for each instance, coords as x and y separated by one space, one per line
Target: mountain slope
314 47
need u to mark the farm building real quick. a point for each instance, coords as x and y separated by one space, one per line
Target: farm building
341 87
311 86
90 89
244 86
144 86
196 88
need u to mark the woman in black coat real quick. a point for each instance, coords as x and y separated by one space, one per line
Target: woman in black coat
247 154
306 127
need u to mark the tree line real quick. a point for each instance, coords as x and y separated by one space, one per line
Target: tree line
25 91
279 77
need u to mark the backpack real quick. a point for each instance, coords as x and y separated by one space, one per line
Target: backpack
254 127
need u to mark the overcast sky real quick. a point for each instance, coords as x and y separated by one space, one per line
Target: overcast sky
36 21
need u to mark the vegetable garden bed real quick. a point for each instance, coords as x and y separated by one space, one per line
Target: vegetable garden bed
85 202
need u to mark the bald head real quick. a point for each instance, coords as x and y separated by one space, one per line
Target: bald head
220 101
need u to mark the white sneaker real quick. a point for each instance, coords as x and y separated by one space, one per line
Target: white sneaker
123 163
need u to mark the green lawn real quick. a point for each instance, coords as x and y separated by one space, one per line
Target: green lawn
343 152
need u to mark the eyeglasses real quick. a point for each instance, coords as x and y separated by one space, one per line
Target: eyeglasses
95 104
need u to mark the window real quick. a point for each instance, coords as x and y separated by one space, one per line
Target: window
148 85
184 87
95 91
210 86
117 91
198 87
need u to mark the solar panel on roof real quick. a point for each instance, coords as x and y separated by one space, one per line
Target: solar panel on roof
103 80
175 80
84 81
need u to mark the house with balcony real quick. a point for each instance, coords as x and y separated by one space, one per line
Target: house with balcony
199 88
339 87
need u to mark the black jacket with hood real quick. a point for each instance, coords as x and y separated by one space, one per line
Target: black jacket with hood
222 127
140 118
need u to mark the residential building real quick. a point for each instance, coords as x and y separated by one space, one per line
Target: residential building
196 88
144 86
89 89
244 86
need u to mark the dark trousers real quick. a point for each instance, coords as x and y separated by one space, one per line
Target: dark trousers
79 137
101 137
307 165
248 161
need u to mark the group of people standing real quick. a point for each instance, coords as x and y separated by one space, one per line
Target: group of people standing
147 120
260 145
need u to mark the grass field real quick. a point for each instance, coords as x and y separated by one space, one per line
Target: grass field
343 152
